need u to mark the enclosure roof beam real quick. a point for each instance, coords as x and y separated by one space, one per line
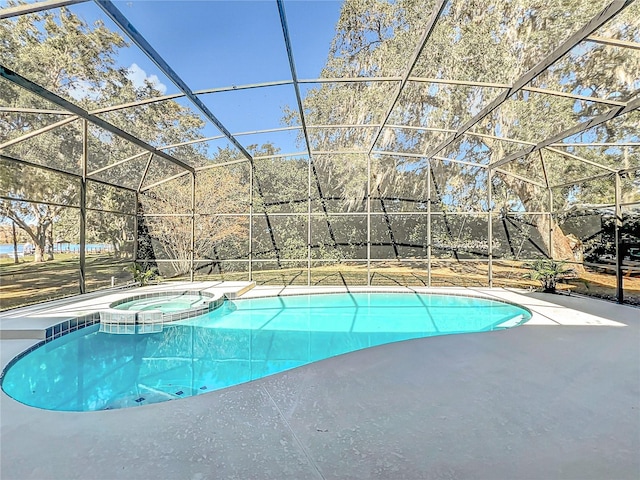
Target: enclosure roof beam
420 156
57 170
508 140
36 111
35 7
110 9
247 86
520 177
341 125
445 81
37 132
190 142
581 180
144 172
257 157
464 83
294 75
119 162
473 134
580 159
137 103
418 127
339 152
596 22
431 24
581 127
281 155
614 42
163 147
565 154
173 96
546 91
232 88
268 130
224 164
164 180
586 98
409 127
80 112
350 79
597 144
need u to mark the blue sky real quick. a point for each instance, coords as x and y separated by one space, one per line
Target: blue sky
213 44
216 43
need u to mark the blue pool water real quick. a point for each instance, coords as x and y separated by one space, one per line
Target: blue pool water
241 341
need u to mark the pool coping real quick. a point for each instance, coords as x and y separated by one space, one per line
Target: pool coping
75 315
42 322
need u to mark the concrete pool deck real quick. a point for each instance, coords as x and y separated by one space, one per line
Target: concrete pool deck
558 397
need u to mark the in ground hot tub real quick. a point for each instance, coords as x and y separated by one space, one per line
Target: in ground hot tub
146 313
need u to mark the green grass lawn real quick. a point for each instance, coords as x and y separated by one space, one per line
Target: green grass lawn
29 282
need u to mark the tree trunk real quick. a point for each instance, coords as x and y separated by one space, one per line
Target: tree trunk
563 247
15 242
39 252
39 243
36 232
49 241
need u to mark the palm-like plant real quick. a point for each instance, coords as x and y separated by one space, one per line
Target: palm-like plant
140 274
548 272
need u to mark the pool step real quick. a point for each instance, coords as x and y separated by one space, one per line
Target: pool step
234 291
512 322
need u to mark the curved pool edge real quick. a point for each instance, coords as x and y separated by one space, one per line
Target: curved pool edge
547 310
70 325
520 319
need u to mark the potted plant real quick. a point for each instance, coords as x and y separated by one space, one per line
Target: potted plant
548 272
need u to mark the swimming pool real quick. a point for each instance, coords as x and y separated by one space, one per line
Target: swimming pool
241 341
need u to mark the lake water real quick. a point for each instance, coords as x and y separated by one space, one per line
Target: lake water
7 248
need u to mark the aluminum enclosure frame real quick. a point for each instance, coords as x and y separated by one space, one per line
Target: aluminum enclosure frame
550 144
